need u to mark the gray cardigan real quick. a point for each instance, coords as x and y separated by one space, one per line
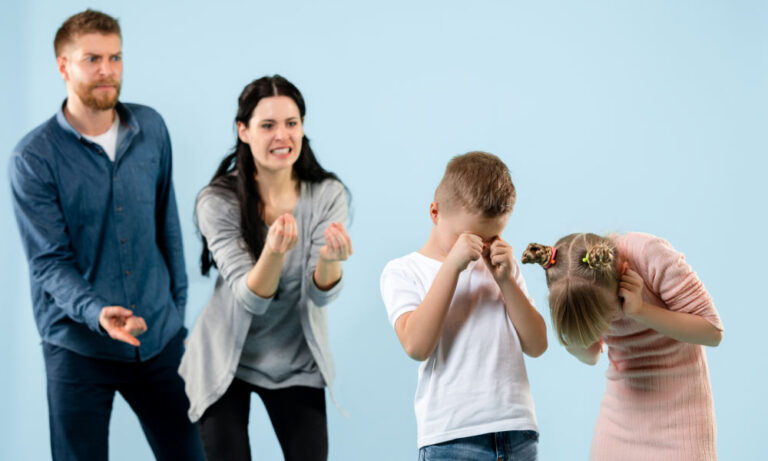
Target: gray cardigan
216 341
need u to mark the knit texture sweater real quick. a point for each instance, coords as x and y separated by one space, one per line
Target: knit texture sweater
658 401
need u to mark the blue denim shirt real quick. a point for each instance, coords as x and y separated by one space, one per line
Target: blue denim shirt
99 233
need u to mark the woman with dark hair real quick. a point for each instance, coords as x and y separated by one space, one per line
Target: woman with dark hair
271 222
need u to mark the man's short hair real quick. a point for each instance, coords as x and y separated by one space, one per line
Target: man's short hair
86 22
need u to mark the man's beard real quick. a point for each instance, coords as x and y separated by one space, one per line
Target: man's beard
102 102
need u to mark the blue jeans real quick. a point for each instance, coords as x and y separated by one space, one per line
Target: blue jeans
499 446
80 394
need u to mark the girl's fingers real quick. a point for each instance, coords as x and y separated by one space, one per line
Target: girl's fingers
636 282
623 293
627 286
623 269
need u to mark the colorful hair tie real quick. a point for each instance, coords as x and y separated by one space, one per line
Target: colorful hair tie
585 259
551 259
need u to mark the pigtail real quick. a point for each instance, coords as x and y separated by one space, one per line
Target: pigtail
601 257
537 253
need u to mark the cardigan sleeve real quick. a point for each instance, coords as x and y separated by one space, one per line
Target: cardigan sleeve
330 206
218 219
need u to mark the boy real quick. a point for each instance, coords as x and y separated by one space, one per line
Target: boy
460 306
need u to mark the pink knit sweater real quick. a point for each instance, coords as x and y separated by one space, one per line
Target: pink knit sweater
658 402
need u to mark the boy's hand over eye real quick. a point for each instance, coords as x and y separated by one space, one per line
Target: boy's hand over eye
498 258
468 247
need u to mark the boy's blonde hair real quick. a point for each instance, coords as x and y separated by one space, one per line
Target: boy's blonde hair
479 182
580 314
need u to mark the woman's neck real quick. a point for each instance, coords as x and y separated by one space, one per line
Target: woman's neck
279 191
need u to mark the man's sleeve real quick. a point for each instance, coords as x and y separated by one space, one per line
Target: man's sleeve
169 228
46 241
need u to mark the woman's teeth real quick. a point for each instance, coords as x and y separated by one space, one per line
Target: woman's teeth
282 151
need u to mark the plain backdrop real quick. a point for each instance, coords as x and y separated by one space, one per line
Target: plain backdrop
612 116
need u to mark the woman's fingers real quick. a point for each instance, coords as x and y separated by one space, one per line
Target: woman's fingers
284 233
338 243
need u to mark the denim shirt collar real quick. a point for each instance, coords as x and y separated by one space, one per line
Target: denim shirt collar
127 130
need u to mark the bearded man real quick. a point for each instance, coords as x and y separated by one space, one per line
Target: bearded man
96 211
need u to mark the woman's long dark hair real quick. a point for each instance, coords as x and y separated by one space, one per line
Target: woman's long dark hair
243 183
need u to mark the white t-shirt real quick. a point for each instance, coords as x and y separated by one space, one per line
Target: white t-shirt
475 381
108 139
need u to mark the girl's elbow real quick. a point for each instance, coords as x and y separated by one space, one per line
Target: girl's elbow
716 338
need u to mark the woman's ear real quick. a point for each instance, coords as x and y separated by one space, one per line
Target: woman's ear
242 132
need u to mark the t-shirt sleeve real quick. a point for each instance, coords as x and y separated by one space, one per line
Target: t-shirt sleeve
399 291
669 276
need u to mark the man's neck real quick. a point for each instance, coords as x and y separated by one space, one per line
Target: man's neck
88 121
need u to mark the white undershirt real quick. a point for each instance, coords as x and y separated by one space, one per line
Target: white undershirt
108 139
475 381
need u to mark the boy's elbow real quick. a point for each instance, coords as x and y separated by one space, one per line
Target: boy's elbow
537 350
416 353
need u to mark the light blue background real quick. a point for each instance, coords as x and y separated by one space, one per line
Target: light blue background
612 116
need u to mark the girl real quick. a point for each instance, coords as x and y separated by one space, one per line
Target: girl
637 295
271 223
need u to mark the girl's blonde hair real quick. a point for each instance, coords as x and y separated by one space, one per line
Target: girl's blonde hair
583 263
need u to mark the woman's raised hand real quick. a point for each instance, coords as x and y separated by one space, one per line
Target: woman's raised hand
283 234
338 245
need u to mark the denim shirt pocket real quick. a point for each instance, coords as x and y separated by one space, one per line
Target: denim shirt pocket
142 181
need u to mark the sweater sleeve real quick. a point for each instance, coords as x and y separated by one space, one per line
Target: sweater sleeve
219 222
331 206
667 274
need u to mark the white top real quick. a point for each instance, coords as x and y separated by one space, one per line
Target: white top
475 381
108 139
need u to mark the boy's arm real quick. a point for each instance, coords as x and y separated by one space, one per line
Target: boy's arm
419 330
528 323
